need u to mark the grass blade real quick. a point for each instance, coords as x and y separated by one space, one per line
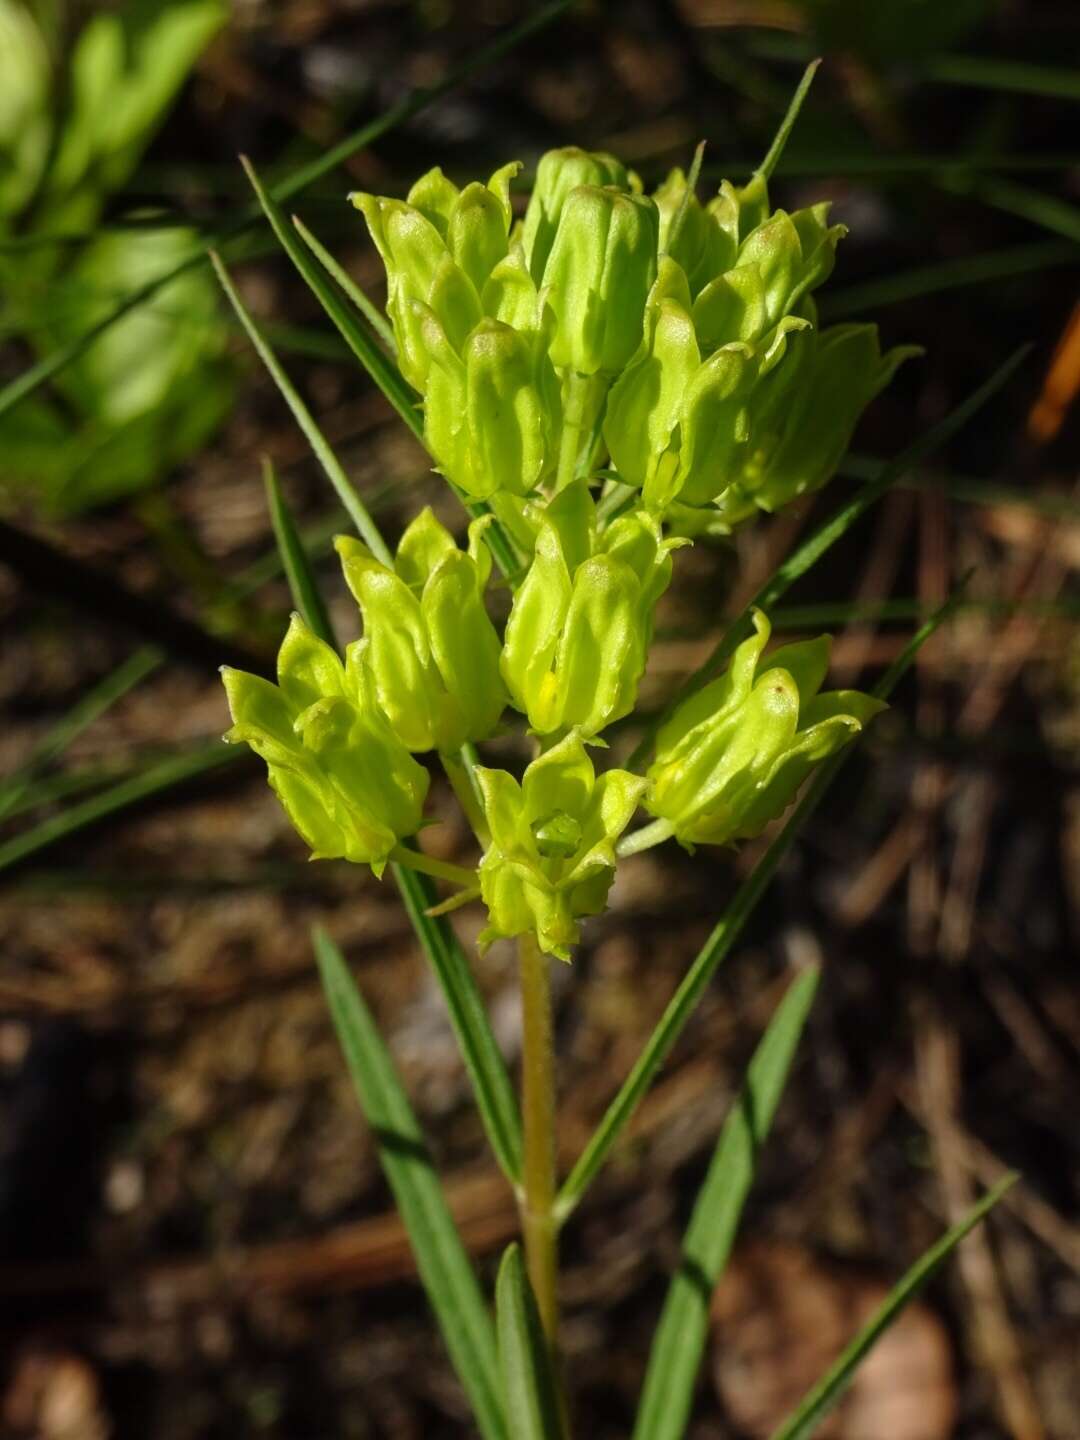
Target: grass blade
83 713
371 312
532 1406
677 1346
813 548
441 1260
160 776
371 355
825 1394
468 1014
305 175
776 149
991 73
302 583
355 507
472 1025
944 275
716 949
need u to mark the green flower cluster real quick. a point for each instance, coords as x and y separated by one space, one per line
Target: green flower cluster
610 373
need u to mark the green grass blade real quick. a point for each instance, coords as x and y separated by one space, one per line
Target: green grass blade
990 73
677 1347
715 951
804 1421
160 776
947 275
357 510
371 355
441 1260
532 1406
371 312
813 548
83 713
302 583
465 1005
472 1025
304 176
776 149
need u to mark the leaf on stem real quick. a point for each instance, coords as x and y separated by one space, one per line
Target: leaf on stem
532 1405
805 1419
716 949
441 1260
680 1337
356 508
302 583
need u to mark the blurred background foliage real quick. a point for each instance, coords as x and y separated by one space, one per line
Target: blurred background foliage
194 1238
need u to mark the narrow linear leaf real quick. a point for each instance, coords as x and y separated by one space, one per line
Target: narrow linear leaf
716 949
352 329
356 508
992 73
776 149
826 535
804 1421
945 275
302 583
370 311
483 1059
443 1265
677 1347
300 178
464 1003
160 776
83 713
532 1406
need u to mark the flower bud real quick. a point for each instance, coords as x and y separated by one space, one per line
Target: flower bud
439 248
492 416
581 622
346 782
732 756
559 172
429 649
810 416
699 243
552 853
601 266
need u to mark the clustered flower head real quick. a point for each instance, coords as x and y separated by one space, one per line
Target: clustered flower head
609 374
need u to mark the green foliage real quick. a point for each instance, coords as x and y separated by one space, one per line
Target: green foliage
532 1405
440 1256
153 388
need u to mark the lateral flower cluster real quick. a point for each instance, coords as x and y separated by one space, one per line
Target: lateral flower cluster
610 374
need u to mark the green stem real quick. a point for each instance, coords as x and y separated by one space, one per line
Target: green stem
537 1199
428 865
459 771
645 838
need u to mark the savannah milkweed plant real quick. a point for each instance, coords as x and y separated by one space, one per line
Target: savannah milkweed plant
601 382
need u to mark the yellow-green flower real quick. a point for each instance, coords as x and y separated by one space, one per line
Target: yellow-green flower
732 756
429 648
552 853
345 780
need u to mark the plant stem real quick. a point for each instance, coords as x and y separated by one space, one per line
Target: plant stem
655 833
459 772
537 1200
428 865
